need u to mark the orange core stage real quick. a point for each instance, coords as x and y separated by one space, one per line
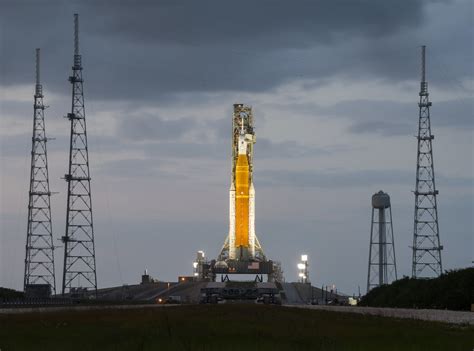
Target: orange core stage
242 202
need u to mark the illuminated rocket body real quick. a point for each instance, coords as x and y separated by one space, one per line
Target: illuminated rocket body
242 189
242 240
242 252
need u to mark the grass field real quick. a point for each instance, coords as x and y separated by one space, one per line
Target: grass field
225 327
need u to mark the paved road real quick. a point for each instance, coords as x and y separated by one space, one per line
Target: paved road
455 317
21 310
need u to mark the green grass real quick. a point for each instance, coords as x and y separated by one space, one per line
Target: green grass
225 327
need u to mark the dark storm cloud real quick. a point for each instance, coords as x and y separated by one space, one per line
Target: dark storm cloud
391 118
349 179
151 127
222 127
15 145
271 24
340 178
137 168
290 149
380 127
396 118
220 149
146 49
19 145
20 110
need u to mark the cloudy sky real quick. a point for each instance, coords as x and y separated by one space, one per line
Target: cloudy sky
334 88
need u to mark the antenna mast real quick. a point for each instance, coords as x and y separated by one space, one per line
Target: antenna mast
426 260
39 277
79 273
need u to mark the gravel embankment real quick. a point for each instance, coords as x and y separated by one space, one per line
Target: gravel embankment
455 317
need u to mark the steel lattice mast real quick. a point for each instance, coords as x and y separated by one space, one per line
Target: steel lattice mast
426 242
39 258
79 252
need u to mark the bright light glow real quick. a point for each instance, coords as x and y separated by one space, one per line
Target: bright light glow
196 274
301 265
195 264
202 252
301 275
304 258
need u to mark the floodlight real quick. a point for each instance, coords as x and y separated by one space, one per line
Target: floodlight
301 266
304 258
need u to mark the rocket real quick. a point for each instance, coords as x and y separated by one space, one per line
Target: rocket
242 200
242 250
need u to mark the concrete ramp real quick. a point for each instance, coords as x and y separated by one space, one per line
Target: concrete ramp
189 292
303 294
292 296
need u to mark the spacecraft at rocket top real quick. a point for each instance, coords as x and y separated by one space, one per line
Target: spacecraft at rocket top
242 243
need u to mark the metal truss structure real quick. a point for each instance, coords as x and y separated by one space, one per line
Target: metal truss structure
79 272
39 258
426 242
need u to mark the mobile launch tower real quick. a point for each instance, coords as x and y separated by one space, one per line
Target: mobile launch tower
242 252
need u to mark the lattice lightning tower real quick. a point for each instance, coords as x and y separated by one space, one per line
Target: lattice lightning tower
39 258
426 242
79 252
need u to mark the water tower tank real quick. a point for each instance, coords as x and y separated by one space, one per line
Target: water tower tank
380 200
382 266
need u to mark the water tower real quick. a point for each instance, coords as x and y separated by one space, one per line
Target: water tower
382 264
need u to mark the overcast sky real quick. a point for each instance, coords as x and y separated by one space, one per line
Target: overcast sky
334 87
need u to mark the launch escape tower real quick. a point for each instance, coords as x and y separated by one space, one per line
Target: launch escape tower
242 252
426 242
79 272
39 275
382 264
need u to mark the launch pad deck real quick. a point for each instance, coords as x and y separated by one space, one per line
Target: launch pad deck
266 293
244 267
231 267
